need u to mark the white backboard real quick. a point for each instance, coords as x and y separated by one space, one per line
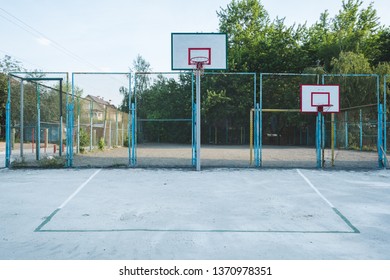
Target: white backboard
185 46
314 96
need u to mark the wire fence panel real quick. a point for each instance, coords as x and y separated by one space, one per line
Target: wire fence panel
356 126
287 135
100 127
36 127
149 120
164 115
227 100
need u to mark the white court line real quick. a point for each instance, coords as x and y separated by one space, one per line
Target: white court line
78 189
315 189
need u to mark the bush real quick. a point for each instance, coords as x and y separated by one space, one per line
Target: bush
84 139
126 142
101 144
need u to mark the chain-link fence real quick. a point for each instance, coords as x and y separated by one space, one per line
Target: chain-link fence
37 126
100 119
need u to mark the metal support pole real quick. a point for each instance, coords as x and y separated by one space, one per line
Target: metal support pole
91 143
260 124
318 139
133 136
61 120
21 118
8 138
385 114
251 112
78 126
322 140
7 134
116 128
380 138
333 128
346 129
78 134
198 137
38 130
193 123
360 130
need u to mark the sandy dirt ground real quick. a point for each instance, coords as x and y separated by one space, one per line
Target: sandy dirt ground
180 156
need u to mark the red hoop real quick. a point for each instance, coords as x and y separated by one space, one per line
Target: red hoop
199 61
320 108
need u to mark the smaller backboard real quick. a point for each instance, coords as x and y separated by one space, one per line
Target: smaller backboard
324 98
189 48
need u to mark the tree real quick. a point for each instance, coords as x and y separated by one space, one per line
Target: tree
7 65
245 22
353 29
356 90
383 47
140 65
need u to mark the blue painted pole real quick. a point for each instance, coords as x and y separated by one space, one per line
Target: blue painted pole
193 122
133 132
380 138
194 134
318 139
260 124
346 129
7 134
8 140
129 121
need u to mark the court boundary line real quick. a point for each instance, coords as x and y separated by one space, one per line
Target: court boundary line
338 213
48 218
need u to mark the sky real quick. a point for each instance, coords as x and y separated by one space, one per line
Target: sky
87 35
107 35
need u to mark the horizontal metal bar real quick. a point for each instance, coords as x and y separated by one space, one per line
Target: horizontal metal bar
280 110
350 75
230 73
358 107
287 74
164 120
101 73
161 73
42 79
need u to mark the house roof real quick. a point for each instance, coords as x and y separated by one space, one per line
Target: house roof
99 100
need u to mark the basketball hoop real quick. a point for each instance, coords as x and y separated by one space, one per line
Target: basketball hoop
320 108
199 61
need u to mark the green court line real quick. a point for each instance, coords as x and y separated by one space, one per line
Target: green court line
345 220
48 218
355 230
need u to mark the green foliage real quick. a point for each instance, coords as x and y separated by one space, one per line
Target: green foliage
84 139
126 141
101 144
166 98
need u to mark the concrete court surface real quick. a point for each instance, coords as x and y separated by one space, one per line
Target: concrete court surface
180 214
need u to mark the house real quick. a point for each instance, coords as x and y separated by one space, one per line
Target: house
101 107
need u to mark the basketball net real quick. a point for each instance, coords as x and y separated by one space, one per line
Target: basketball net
320 108
199 61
